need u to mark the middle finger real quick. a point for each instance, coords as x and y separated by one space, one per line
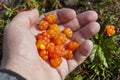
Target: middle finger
86 32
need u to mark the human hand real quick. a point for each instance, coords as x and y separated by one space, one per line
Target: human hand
19 50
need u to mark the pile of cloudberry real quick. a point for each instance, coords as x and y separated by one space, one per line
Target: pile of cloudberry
52 43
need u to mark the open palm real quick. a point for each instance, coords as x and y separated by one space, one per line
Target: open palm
20 53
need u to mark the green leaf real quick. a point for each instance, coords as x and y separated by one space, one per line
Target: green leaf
7 8
97 71
93 53
111 46
1 24
7 13
102 57
79 78
96 36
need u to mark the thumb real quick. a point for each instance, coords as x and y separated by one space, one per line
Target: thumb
26 18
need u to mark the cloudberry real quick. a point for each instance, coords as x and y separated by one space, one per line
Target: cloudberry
45 34
58 51
110 30
40 45
50 45
43 37
39 37
59 39
54 51
68 54
54 27
43 54
43 25
68 32
50 18
72 45
55 62
50 32
51 48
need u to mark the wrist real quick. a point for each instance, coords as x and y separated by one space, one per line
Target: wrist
18 66
10 74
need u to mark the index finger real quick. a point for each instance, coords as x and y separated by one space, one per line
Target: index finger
63 15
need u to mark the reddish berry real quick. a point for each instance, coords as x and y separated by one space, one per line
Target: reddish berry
54 52
45 34
55 62
110 30
72 46
54 27
58 52
40 45
39 37
61 50
68 32
112 27
68 54
44 54
49 45
43 37
50 18
51 48
107 27
59 39
50 32
43 25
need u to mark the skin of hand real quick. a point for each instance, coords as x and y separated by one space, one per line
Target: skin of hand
19 50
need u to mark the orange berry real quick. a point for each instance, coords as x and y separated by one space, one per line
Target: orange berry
45 34
51 48
43 37
60 50
45 42
39 37
107 27
40 45
68 32
72 46
59 39
50 45
44 54
45 57
55 62
53 53
113 32
110 30
50 18
112 27
43 25
50 32
68 54
54 27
